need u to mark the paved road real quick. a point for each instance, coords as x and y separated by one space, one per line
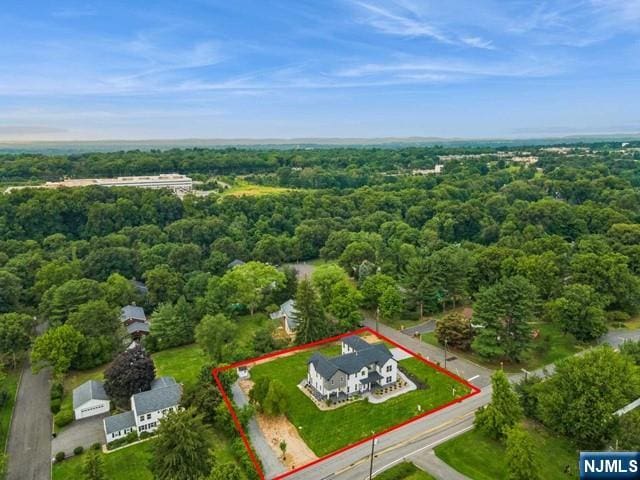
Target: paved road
29 446
463 368
80 433
425 327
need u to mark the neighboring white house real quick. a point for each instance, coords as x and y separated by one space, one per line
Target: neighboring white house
147 409
288 315
360 368
90 399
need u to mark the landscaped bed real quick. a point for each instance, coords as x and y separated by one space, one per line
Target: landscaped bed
357 420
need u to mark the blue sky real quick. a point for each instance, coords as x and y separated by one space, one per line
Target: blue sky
326 68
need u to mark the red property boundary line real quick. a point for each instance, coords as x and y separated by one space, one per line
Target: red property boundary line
216 371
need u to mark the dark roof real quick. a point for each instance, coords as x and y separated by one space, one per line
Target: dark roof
162 382
115 423
89 390
322 365
132 311
138 327
356 342
157 399
351 362
371 378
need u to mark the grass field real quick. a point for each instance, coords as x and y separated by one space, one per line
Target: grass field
359 419
404 471
552 345
11 385
242 188
482 458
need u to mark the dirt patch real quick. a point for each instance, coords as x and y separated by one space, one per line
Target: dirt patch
276 429
370 338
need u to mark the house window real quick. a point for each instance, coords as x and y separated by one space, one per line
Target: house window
142 418
148 416
389 368
331 381
347 389
388 379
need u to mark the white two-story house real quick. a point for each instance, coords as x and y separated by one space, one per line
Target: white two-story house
360 368
147 409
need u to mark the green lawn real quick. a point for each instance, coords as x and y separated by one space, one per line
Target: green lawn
11 385
183 363
127 464
481 458
552 345
131 463
359 419
404 471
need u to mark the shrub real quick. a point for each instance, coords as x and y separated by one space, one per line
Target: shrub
78 450
144 435
4 398
55 405
60 456
63 418
56 390
131 437
116 443
96 446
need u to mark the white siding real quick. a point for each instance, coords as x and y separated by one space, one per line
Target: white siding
91 408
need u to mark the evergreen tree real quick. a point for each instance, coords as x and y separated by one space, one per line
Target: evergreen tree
503 412
181 448
312 323
276 401
504 311
520 455
93 466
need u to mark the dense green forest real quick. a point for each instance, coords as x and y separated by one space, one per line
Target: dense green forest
557 241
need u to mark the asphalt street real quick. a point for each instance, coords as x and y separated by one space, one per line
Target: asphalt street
29 446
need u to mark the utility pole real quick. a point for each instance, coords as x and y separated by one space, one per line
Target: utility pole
377 319
373 444
445 353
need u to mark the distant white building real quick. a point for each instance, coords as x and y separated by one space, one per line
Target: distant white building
288 315
147 409
90 399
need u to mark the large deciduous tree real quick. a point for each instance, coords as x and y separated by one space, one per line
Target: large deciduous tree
581 398
181 448
580 312
503 312
249 283
456 330
15 335
57 348
131 372
216 335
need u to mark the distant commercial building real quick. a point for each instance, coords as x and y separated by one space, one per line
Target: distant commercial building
179 184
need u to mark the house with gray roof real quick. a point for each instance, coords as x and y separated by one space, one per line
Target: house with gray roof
361 367
90 399
147 409
135 321
288 315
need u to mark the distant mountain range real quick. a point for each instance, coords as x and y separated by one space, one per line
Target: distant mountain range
62 147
